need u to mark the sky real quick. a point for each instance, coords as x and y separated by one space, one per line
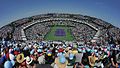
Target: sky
107 10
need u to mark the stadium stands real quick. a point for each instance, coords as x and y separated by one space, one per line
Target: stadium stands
96 43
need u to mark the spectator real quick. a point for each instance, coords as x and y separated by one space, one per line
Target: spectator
61 62
92 60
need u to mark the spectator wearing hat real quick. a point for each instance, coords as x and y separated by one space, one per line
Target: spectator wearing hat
8 64
60 62
92 60
74 51
30 62
41 59
21 61
71 59
49 57
12 59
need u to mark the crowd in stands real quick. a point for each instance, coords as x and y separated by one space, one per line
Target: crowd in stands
46 54
17 33
36 31
4 30
16 26
101 22
83 32
62 55
21 22
80 31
